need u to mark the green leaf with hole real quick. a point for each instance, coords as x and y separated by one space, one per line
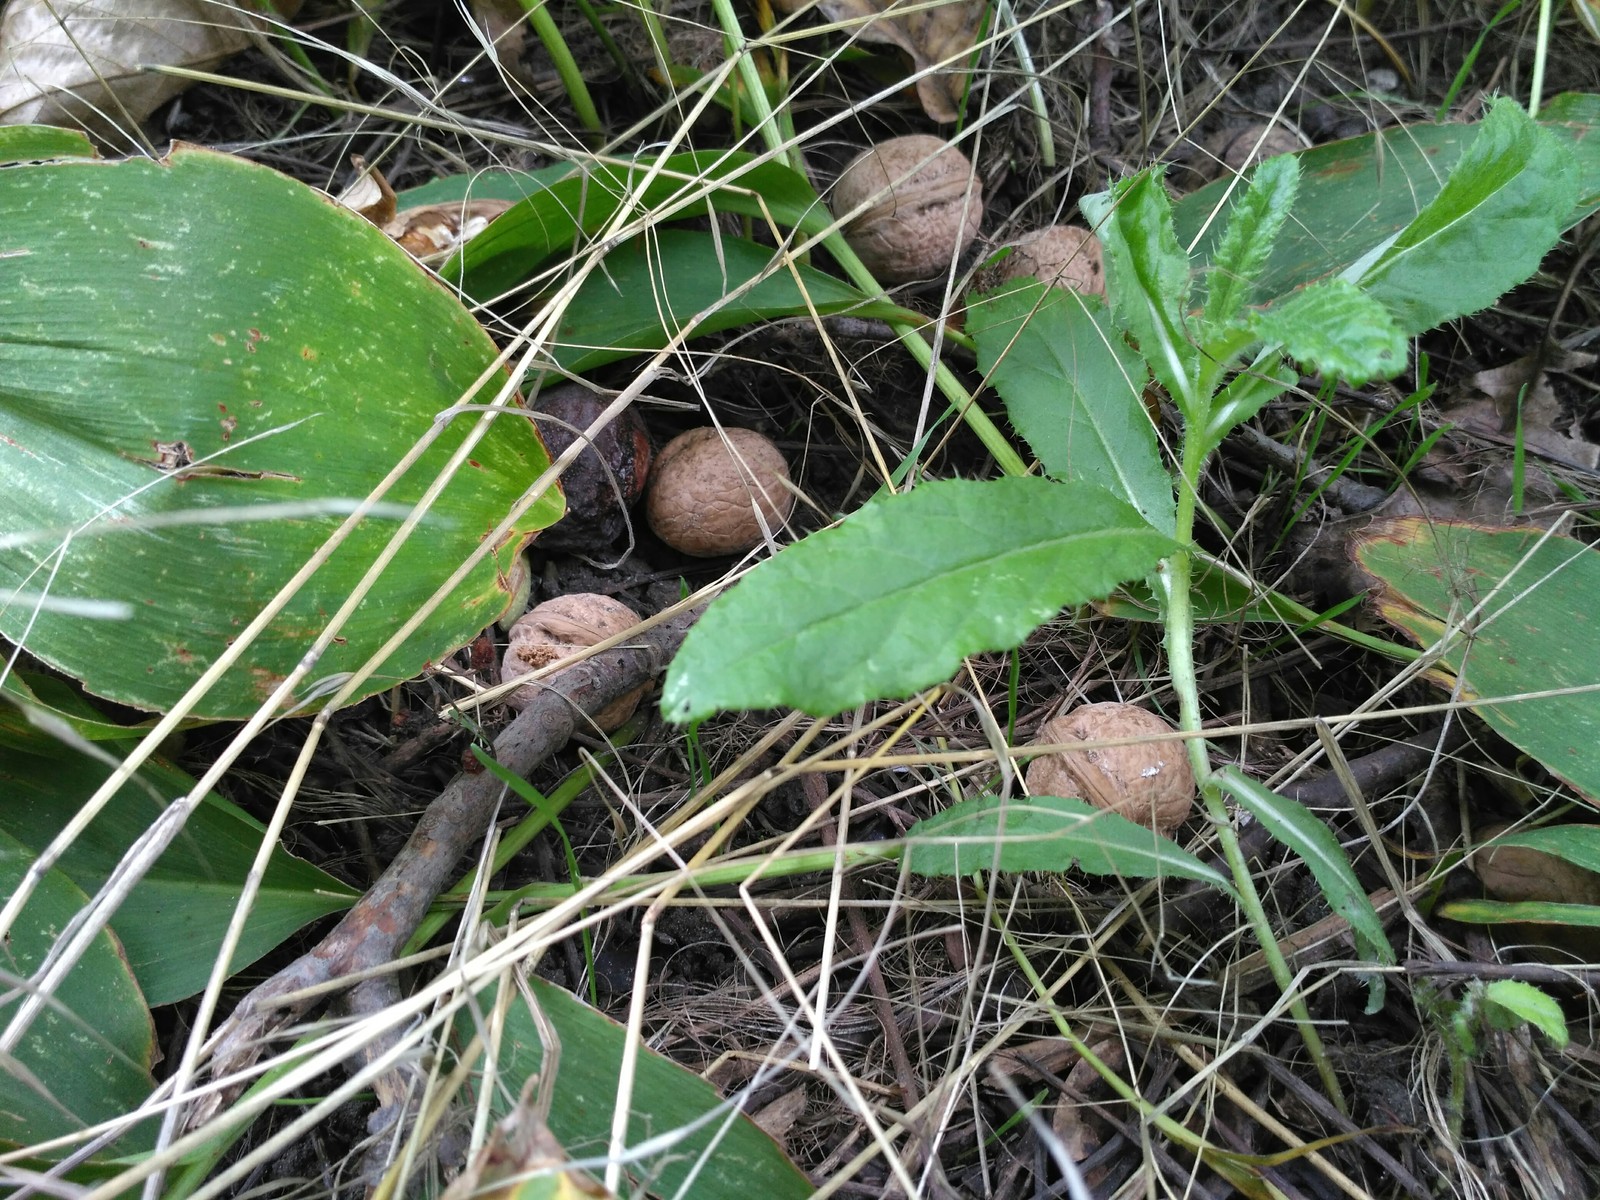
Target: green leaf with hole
651 289
1511 612
1293 824
1335 328
891 600
683 1138
1503 206
1356 193
1047 833
171 924
562 218
204 366
87 1055
1074 389
1147 280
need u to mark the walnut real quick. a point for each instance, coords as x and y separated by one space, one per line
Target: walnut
718 491
559 629
1064 256
1150 783
925 207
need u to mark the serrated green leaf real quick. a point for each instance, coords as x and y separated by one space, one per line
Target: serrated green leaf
1046 833
1147 280
1335 328
1500 210
890 601
1521 1003
1074 389
1293 824
1356 193
1248 238
1577 844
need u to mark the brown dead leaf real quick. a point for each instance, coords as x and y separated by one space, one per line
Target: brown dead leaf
941 33
506 24
83 62
435 231
1545 430
778 1118
369 194
522 1150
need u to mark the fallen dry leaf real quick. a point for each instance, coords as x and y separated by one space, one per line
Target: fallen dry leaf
83 62
942 33
1545 429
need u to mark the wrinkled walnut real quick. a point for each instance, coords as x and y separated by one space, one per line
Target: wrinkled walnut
559 629
926 205
1064 256
1150 783
718 491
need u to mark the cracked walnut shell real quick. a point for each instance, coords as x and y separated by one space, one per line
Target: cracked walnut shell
1151 783
560 629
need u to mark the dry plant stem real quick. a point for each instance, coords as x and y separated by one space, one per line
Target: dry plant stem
374 930
1175 582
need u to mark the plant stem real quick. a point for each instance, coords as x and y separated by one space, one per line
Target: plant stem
566 66
1173 588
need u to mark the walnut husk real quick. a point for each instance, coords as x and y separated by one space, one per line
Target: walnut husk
1150 783
559 629
926 204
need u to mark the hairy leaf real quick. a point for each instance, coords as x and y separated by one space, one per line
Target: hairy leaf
1337 329
1502 207
1074 389
1047 833
1293 824
891 600
1248 238
1147 279
1509 1003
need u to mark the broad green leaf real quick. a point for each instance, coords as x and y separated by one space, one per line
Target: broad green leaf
204 366
1520 912
651 288
560 218
1533 628
483 185
1147 280
1046 833
708 1149
1074 389
32 143
1355 194
891 600
1577 844
1293 824
87 1056
1510 1003
1502 208
1248 237
172 923
1335 328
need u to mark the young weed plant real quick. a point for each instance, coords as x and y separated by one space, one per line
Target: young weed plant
889 601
